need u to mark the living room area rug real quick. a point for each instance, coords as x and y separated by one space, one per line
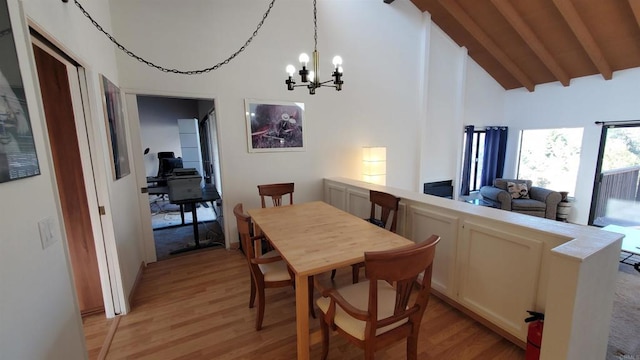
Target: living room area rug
624 335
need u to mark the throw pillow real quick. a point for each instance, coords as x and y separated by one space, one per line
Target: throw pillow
518 190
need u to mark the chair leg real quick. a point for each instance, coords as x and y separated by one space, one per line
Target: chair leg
369 351
260 314
333 274
324 329
412 347
312 311
252 299
355 273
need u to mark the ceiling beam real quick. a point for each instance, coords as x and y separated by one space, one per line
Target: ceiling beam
474 29
585 38
635 7
513 17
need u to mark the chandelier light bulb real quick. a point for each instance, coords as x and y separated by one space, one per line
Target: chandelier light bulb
311 75
337 61
291 70
304 59
340 69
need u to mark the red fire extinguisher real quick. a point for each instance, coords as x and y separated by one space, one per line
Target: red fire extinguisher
534 336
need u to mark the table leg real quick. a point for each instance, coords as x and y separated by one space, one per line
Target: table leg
302 316
182 213
194 216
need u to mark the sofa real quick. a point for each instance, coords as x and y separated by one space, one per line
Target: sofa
520 196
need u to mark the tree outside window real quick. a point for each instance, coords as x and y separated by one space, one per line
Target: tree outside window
550 158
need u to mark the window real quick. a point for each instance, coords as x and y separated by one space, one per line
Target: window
617 191
550 158
477 153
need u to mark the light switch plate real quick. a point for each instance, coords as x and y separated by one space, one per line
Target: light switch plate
47 229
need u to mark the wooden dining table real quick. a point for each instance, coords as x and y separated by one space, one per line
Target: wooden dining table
314 238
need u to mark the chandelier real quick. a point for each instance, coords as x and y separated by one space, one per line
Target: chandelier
310 78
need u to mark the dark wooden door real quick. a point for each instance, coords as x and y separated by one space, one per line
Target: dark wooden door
58 109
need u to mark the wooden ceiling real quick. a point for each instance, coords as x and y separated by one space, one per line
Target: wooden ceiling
523 43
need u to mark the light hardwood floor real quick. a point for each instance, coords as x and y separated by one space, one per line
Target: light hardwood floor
196 307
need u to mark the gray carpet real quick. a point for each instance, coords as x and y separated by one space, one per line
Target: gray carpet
179 237
624 336
169 235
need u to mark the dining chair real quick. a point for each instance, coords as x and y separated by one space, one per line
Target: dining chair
382 310
383 207
276 192
267 270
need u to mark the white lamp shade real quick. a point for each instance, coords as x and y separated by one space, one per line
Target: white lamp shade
374 165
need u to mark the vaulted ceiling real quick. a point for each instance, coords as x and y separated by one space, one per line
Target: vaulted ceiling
523 43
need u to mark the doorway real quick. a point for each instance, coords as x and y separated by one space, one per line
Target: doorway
162 121
61 85
616 191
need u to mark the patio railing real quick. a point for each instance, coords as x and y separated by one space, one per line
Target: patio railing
621 184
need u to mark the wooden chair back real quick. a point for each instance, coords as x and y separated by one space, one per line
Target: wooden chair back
271 263
399 309
244 229
388 205
402 267
276 192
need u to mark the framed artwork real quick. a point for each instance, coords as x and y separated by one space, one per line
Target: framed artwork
116 133
18 158
274 125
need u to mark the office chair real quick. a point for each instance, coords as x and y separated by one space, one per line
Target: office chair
163 155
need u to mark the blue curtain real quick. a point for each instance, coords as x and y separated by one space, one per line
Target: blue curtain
466 162
495 146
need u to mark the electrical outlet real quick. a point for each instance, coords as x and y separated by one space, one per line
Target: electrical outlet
47 229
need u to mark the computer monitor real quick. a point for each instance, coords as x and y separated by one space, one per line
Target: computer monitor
168 164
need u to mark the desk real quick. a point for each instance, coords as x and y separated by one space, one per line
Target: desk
314 238
164 190
209 194
630 242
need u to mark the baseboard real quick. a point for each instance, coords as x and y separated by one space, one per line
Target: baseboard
136 283
481 320
94 311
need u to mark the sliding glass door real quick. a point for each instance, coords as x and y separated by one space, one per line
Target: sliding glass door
616 191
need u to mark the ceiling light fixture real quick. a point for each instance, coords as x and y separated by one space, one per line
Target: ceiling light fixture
310 78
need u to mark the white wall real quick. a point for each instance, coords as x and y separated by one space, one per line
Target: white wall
379 104
459 92
484 98
159 126
384 48
587 100
444 98
39 312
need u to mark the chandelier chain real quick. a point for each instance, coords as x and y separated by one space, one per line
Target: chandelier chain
176 71
315 27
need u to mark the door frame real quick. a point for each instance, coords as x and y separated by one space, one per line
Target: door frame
131 104
603 142
93 171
